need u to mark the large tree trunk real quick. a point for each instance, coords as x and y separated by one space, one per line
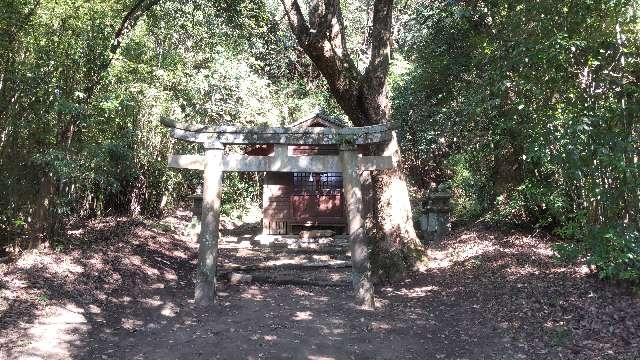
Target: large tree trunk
364 98
397 248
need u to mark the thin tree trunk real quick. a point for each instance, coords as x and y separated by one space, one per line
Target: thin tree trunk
41 224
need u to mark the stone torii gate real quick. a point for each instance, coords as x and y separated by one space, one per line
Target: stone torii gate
214 162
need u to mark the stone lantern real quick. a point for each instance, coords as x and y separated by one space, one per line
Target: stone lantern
196 214
196 205
435 222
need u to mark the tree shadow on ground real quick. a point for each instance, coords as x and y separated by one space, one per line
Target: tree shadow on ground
540 305
126 279
483 295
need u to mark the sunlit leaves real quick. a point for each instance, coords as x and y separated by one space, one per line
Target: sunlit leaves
549 80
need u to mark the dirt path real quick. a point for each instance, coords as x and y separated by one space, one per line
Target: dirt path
483 295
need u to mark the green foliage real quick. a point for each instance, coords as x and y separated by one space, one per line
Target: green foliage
613 250
76 115
239 193
466 191
530 110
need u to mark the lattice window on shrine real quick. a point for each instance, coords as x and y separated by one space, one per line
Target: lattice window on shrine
331 183
307 183
303 183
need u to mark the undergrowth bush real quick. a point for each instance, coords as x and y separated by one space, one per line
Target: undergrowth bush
239 192
614 251
519 103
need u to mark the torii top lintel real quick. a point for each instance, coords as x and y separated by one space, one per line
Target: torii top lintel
278 135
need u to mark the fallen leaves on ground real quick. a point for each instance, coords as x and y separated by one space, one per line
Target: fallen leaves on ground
483 294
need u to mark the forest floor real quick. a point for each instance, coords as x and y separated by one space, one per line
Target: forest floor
122 289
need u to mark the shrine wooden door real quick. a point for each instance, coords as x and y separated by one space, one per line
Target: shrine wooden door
316 198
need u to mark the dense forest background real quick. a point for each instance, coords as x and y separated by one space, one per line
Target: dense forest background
527 110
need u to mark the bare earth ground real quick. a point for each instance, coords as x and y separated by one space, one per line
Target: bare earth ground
124 290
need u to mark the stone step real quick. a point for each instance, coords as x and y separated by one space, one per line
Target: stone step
282 265
295 242
314 277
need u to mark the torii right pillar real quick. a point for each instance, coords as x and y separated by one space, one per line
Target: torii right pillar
361 271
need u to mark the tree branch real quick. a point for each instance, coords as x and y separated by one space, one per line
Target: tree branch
381 38
324 42
375 76
296 21
128 23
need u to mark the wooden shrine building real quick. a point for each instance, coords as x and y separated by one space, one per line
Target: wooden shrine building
294 201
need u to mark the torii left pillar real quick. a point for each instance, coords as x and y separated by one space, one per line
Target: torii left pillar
209 233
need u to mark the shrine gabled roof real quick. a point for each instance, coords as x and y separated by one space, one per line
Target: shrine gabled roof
319 116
